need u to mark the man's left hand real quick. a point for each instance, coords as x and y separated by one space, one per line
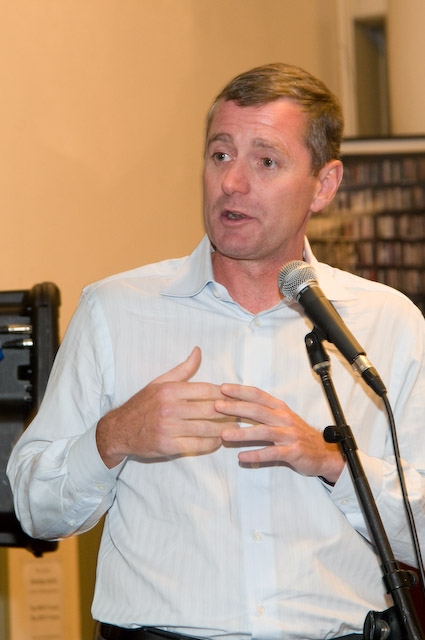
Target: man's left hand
287 438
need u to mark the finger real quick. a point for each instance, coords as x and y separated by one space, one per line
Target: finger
250 411
195 445
205 428
183 371
266 454
258 433
188 398
329 466
251 394
204 409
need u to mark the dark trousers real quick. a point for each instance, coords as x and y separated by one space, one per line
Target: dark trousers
110 632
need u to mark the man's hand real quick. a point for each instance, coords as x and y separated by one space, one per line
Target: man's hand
167 418
287 438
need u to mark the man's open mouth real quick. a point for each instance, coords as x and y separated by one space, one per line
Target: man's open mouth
234 215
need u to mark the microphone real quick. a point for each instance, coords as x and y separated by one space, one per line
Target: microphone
298 280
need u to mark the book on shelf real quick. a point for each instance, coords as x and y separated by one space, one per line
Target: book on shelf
375 226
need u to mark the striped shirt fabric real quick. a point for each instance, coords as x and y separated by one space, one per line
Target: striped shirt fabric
202 544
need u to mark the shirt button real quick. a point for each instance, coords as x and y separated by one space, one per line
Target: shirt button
216 293
257 323
261 610
257 536
345 501
100 486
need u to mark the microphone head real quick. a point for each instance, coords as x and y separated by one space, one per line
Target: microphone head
294 277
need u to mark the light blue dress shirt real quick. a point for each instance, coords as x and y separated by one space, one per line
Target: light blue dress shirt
202 544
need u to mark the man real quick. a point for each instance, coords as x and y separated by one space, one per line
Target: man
182 403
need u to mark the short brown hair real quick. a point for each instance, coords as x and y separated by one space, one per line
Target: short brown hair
270 82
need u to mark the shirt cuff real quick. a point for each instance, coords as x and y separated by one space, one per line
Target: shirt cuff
87 469
344 493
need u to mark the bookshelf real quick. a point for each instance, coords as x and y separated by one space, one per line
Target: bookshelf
375 227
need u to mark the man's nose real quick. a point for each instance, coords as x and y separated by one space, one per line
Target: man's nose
236 179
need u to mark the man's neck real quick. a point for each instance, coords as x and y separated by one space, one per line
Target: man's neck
251 284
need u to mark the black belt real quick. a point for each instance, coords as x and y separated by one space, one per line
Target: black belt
110 632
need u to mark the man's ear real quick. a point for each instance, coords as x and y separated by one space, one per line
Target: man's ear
329 178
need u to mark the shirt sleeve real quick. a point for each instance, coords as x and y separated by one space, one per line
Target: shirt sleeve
59 481
406 393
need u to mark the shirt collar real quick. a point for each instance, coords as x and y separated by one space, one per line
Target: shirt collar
196 272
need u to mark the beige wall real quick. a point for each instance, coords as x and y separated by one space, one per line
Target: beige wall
101 132
101 123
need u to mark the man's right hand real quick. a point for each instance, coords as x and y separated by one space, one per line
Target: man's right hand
169 417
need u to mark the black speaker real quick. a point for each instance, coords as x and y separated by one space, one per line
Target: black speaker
29 339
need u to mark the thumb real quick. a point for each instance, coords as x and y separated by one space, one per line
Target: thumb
184 370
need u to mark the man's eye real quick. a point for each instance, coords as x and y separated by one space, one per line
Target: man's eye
220 156
269 163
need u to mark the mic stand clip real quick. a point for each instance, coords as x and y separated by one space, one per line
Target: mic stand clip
399 622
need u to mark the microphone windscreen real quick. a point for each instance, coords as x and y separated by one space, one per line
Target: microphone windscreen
293 276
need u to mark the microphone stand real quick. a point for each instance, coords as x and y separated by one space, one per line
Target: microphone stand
399 622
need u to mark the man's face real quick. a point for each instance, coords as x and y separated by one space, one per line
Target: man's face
259 190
